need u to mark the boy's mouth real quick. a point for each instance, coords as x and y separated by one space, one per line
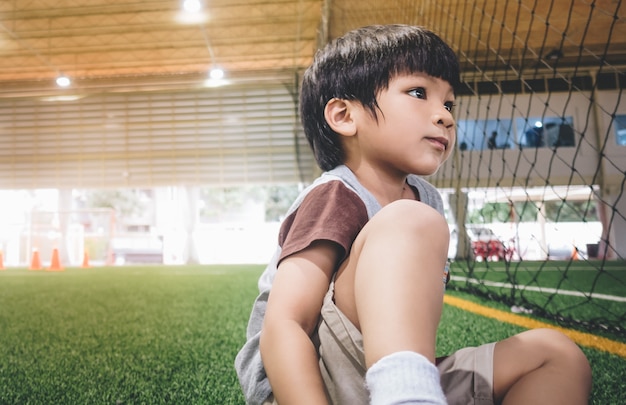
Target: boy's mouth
443 141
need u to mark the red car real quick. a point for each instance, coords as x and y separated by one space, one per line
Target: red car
487 246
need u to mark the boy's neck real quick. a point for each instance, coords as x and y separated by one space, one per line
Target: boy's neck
384 187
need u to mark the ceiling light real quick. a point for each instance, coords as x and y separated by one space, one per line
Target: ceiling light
64 97
192 6
63 81
185 16
216 74
554 54
216 82
216 78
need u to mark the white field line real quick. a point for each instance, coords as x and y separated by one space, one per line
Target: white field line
545 269
541 289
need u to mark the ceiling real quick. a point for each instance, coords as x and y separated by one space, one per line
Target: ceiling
126 45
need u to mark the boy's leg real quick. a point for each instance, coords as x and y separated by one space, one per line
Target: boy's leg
540 366
391 288
391 285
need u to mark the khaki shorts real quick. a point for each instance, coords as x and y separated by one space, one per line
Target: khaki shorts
466 375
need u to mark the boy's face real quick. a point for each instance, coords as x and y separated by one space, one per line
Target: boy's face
415 132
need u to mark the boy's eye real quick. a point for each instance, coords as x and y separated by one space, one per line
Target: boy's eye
449 106
419 92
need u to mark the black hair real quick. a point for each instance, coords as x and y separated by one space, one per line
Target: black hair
360 64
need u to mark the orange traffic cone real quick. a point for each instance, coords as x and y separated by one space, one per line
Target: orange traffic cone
35 262
55 264
86 260
575 253
1 260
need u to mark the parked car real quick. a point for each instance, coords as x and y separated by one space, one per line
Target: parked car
488 246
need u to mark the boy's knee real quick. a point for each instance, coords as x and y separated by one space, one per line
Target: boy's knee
413 216
553 341
405 224
545 351
566 357
557 347
569 349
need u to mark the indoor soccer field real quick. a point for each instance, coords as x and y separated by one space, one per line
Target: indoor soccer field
169 335
139 137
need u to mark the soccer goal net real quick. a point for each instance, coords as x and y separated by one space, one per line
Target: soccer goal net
535 188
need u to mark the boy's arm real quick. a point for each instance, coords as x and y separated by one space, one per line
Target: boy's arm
292 314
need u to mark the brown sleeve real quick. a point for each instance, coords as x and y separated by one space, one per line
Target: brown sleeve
329 212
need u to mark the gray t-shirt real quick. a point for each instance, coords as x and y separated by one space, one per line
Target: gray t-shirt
248 363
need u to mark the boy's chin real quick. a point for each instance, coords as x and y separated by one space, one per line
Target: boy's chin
426 172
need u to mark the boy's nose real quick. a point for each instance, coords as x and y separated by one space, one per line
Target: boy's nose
444 119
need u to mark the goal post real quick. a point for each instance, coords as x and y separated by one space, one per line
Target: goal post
76 234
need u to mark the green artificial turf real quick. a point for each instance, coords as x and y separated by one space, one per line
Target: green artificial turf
134 335
165 335
547 286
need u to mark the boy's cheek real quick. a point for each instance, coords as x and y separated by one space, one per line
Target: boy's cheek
451 145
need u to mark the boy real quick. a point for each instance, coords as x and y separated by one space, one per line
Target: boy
356 282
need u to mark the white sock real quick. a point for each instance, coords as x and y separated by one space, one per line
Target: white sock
404 378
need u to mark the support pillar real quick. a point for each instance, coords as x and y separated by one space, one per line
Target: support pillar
458 206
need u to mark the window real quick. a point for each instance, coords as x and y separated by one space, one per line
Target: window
484 134
620 129
536 132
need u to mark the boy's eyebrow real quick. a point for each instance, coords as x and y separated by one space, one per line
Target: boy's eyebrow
426 76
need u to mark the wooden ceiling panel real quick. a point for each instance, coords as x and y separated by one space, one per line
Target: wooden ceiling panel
124 42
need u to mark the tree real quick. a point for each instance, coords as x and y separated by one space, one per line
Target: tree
125 202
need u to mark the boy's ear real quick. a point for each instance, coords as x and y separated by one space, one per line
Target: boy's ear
339 115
